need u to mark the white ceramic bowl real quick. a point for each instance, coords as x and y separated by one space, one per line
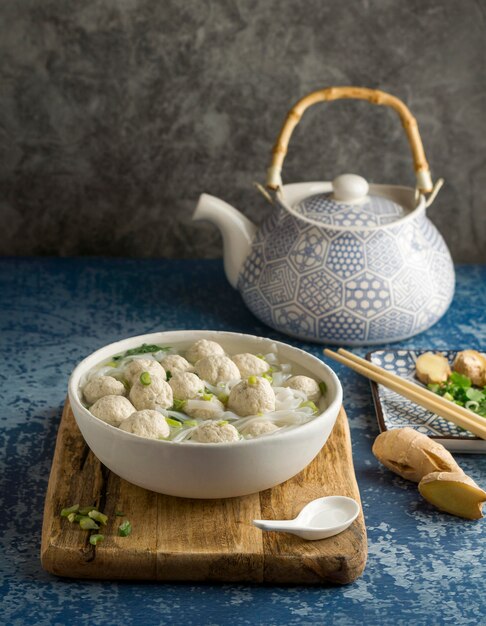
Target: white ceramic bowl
200 470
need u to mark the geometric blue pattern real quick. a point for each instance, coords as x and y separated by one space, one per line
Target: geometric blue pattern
309 250
346 255
384 264
355 286
375 211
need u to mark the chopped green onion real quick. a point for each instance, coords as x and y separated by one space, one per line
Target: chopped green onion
433 387
267 377
124 529
69 510
99 517
87 523
449 396
475 394
207 396
173 423
84 510
223 397
472 405
71 517
96 539
270 370
190 423
261 356
252 380
145 379
309 404
179 405
323 388
120 514
112 364
78 518
222 422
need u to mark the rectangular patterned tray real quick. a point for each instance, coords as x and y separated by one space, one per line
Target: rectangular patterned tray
395 411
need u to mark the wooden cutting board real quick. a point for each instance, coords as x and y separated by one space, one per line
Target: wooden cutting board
197 540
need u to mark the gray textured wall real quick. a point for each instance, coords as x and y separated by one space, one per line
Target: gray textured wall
116 114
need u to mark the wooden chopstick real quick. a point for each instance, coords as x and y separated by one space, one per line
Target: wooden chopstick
432 402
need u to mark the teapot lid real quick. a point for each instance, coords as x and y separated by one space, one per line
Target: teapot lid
350 204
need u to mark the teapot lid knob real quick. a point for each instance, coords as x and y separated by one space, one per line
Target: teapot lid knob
350 188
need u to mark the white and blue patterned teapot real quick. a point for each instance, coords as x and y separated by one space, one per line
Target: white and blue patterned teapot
342 262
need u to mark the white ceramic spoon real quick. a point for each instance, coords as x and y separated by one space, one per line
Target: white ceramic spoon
321 518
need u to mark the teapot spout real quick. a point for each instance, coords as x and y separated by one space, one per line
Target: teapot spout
237 231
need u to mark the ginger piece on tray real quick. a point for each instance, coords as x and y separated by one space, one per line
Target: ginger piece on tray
472 364
432 368
453 492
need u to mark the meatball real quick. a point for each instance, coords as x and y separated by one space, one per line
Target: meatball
101 386
112 409
307 385
150 424
472 364
249 364
215 432
185 385
157 393
251 397
175 363
257 429
217 369
202 349
204 409
137 366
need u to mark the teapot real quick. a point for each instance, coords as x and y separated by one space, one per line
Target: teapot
341 262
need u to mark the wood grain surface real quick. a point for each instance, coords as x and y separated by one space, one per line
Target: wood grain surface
196 540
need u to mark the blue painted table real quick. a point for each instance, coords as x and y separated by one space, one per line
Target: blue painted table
424 567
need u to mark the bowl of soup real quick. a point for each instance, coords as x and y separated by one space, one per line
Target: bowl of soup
204 414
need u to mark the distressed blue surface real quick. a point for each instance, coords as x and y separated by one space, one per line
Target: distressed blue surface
424 567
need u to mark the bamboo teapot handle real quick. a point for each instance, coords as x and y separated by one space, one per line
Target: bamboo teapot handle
422 170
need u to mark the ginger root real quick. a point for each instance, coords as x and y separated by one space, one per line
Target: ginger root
432 368
412 455
442 482
472 364
453 492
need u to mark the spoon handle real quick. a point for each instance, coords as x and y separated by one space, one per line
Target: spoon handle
270 524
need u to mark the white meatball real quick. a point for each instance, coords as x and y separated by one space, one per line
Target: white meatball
257 429
201 349
305 384
215 432
175 363
112 409
217 369
251 398
185 385
204 409
133 370
158 393
249 364
101 386
150 424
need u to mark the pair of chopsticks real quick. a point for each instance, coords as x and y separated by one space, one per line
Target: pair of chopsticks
431 401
